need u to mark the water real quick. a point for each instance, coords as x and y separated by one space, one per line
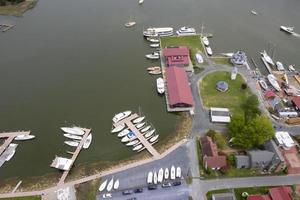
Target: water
73 62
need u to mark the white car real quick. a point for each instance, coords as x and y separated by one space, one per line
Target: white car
107 195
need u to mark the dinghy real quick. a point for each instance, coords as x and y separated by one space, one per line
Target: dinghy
148 134
118 128
24 137
173 172
117 184
145 129
178 172
160 176
87 142
110 185
103 186
140 125
138 147
166 174
154 138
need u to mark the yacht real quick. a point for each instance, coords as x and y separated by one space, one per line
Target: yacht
160 85
153 56
138 120
199 58
138 147
279 66
72 143
153 68
288 29
209 51
130 24
155 72
154 45
103 186
263 84
267 57
118 128
149 177
121 116
154 138
117 184
160 176
166 173
123 133
173 174
178 172
183 31
155 178
73 130
145 129
110 184
205 41
140 125
133 142
24 137
157 32
273 80
148 134
74 137
87 142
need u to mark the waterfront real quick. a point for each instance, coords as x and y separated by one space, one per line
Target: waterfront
73 62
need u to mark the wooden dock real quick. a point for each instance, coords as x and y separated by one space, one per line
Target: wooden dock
128 121
74 156
10 137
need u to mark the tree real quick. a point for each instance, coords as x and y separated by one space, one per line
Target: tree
250 107
236 125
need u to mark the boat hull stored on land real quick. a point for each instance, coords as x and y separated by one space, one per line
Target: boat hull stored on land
272 79
103 186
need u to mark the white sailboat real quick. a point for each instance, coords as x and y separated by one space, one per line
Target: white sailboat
154 45
73 130
133 142
199 58
149 177
273 80
138 120
117 184
166 175
208 50
253 12
138 147
103 186
87 142
121 116
155 178
123 133
173 174
74 137
267 58
72 143
205 41
288 29
118 128
153 56
154 138
279 66
140 125
178 172
149 133
24 137
110 184
145 129
160 176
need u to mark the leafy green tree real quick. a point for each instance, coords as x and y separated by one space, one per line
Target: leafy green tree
236 125
250 107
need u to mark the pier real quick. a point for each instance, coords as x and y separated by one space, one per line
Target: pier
142 139
10 137
6 27
267 65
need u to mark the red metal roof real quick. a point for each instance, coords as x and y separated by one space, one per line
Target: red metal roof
176 51
259 197
280 193
270 94
179 91
208 147
215 162
296 101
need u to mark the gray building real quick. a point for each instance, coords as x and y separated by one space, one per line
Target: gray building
278 162
242 161
223 196
260 158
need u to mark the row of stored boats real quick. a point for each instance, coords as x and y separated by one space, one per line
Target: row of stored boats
163 174
109 185
76 134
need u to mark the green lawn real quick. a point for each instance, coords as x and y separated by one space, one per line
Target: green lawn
24 198
251 190
232 99
88 190
17 9
192 42
222 61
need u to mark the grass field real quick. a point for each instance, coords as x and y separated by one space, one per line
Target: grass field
24 198
222 61
18 9
232 99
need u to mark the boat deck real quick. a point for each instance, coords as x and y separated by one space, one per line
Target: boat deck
142 139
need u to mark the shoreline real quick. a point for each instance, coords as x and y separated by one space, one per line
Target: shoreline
182 129
18 9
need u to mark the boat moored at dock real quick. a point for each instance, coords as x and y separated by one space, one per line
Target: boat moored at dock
184 31
73 130
158 32
140 125
267 58
118 128
120 116
153 56
154 138
74 137
145 129
205 41
123 133
160 86
138 120
24 137
287 29
208 50
87 142
72 143
280 66
138 147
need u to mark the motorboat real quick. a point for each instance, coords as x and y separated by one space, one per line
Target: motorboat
153 56
148 134
13 147
24 137
125 139
267 58
153 40
154 45
74 137
178 172
263 84
140 125
288 29
123 133
158 32
208 50
183 31
291 68
166 175
87 142
154 138
253 12
138 147
133 142
145 129
155 72
279 66
199 58
138 120
102 186
128 137
116 184
72 143
234 73
160 85
141 1
155 178
273 80
118 128
130 24
110 184
205 41
73 130
153 68
121 116
160 175
228 54
173 174
149 177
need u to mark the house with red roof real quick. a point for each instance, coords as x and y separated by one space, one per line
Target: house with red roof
211 157
276 193
177 56
296 102
179 93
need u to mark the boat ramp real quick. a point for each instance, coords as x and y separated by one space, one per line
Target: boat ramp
142 139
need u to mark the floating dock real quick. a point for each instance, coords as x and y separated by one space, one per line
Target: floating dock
6 27
128 121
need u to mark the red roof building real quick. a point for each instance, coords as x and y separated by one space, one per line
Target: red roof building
211 158
177 56
179 91
270 94
276 193
259 197
296 102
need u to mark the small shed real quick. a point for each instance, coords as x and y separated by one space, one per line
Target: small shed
222 86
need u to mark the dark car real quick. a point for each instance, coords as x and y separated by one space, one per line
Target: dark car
138 190
152 187
176 183
127 192
165 185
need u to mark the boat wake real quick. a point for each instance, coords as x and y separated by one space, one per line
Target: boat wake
296 34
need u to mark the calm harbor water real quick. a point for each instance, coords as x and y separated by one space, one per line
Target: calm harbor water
73 62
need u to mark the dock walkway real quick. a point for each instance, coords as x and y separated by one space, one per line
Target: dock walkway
142 139
10 137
